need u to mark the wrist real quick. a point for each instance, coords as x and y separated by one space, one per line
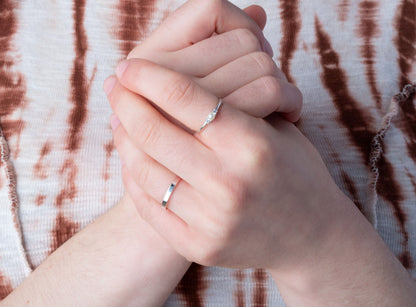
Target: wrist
151 264
116 261
320 256
348 265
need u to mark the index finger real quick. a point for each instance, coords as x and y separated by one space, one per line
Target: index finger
200 19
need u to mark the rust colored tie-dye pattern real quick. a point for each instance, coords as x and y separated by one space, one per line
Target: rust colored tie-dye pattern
59 170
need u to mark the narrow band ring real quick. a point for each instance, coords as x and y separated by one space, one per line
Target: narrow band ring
212 115
168 194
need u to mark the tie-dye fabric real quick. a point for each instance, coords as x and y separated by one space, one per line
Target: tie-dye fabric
59 170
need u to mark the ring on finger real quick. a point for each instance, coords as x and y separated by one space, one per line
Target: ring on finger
168 193
211 116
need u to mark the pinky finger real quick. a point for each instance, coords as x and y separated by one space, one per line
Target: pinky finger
169 226
266 95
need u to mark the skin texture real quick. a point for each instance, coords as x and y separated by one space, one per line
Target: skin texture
304 235
231 48
119 243
313 280
77 273
281 221
226 224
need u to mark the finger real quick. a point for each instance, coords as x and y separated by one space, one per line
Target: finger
171 227
154 179
158 137
184 101
197 20
210 54
184 201
174 93
258 14
267 95
240 72
142 167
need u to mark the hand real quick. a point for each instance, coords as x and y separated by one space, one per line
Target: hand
249 79
108 247
250 194
224 52
353 265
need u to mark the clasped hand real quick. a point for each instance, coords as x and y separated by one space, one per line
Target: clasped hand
249 189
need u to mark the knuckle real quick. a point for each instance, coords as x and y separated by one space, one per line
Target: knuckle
143 174
213 6
210 255
231 191
237 193
216 226
147 131
145 209
247 39
236 196
271 87
180 91
265 63
258 155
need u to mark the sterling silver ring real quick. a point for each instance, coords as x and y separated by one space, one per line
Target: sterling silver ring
168 194
212 115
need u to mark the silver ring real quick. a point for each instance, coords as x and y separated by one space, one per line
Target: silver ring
212 115
168 194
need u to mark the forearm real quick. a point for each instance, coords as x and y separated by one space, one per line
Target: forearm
116 261
353 268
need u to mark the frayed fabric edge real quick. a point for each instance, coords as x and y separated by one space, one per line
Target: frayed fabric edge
377 148
13 197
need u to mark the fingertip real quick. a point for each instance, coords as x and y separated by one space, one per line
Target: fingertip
121 67
258 14
292 117
114 122
109 84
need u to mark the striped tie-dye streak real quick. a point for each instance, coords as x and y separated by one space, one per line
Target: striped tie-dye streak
58 167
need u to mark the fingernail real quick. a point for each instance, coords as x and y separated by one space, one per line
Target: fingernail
109 84
114 122
267 47
121 67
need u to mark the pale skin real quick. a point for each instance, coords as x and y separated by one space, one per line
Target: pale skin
360 271
108 263
258 186
318 247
